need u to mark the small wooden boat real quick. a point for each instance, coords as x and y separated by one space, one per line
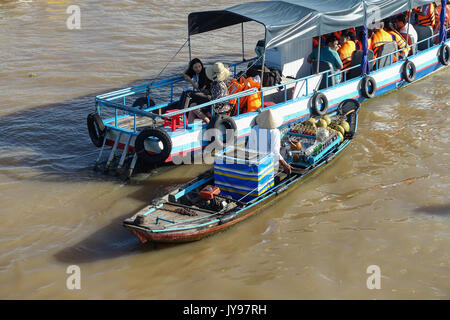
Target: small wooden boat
199 208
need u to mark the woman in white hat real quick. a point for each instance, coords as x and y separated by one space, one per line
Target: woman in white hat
218 73
266 138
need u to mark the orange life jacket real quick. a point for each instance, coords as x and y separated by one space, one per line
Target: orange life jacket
254 100
235 87
346 52
401 43
359 44
379 39
248 103
429 19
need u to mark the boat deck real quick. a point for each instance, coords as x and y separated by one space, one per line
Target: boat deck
141 123
175 216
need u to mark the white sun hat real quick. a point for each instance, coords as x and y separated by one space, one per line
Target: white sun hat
269 120
218 72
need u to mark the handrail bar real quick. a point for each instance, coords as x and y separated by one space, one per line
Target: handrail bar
140 112
210 103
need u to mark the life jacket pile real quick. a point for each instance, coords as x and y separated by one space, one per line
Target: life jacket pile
248 103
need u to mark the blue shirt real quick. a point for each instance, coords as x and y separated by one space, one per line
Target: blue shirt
329 55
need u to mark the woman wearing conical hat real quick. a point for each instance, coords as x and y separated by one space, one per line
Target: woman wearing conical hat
266 138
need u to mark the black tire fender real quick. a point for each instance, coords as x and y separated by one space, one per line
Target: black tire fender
96 128
409 71
444 55
365 89
227 122
151 159
319 99
348 105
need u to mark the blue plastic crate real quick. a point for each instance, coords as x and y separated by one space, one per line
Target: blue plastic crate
243 176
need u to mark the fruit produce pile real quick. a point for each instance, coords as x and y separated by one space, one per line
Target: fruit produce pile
333 124
309 138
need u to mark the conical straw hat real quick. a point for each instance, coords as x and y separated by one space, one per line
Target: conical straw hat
269 120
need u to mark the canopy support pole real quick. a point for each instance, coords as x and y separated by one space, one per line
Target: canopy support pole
189 45
365 70
263 66
318 55
443 31
243 44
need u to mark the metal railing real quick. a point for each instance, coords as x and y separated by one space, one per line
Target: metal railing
117 99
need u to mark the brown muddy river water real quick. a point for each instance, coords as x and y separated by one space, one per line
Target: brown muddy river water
384 202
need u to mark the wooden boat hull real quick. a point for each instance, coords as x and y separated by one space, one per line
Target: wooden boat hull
144 235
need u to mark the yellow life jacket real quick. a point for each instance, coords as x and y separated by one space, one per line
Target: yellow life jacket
401 43
379 39
346 52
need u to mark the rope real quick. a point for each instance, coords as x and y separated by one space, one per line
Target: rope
170 61
248 68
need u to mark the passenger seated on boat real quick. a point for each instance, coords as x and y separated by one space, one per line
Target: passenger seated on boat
195 74
401 43
407 31
265 137
348 46
329 54
218 74
379 38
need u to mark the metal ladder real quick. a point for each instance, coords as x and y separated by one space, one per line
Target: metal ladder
112 155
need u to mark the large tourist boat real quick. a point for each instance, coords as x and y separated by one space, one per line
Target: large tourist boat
131 126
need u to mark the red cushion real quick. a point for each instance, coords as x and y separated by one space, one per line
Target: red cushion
268 104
